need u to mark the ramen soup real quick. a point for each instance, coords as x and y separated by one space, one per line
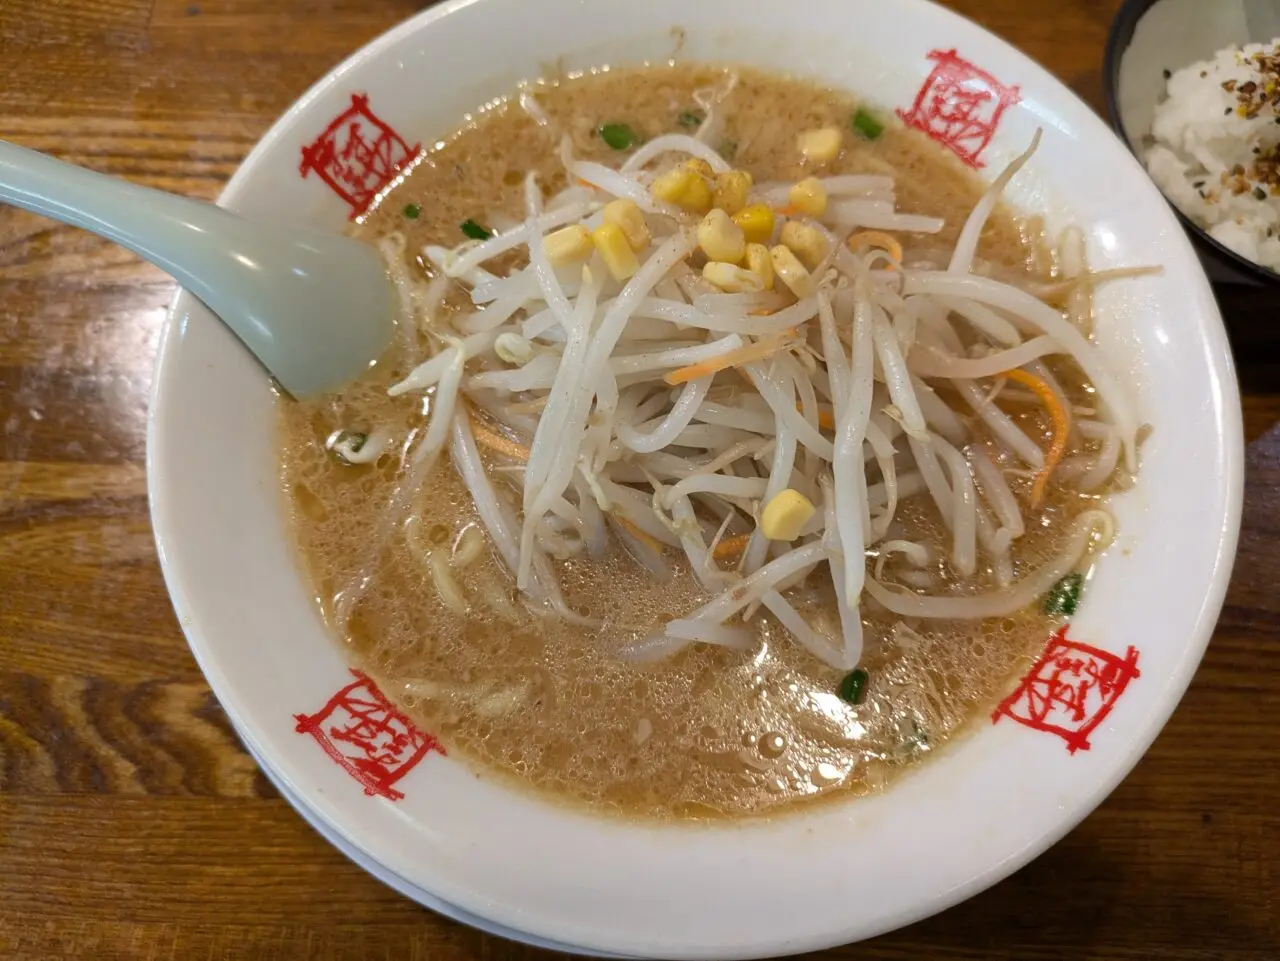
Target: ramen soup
739 448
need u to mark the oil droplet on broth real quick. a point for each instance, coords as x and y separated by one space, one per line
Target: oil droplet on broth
772 745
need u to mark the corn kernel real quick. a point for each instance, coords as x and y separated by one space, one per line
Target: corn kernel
791 272
731 278
809 197
670 187
756 222
805 242
629 218
700 167
819 146
758 263
568 244
729 191
720 238
614 250
784 517
698 198
683 187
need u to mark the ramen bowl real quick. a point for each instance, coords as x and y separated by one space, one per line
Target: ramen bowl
391 796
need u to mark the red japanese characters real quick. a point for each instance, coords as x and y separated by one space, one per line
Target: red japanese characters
357 155
960 106
370 739
1070 690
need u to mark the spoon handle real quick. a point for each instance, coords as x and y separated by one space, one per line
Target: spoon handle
157 226
315 307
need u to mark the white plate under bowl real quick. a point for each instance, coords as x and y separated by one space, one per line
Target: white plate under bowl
967 818
399 884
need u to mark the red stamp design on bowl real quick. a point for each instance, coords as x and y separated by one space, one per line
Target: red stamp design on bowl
375 743
357 155
960 106
1070 690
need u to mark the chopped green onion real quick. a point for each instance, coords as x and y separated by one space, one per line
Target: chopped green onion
619 136
729 149
412 211
1259 193
691 119
475 231
867 125
1063 599
853 686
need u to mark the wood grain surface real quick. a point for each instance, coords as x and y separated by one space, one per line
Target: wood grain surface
132 824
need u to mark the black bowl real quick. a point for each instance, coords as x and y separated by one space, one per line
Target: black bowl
1150 37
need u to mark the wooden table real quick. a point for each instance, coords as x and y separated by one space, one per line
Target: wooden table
133 825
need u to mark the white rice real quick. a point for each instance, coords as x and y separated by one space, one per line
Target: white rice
1207 145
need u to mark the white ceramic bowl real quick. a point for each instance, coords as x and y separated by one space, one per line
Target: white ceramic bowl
968 817
1149 37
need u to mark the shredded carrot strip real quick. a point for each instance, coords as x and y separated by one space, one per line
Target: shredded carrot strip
1061 427
730 547
765 347
643 537
787 210
826 419
499 444
877 238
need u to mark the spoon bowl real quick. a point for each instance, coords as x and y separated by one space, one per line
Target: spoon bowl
316 308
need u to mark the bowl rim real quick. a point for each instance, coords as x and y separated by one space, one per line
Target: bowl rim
401 885
1227 421
1119 38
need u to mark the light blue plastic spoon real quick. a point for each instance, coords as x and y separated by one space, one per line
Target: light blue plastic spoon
315 308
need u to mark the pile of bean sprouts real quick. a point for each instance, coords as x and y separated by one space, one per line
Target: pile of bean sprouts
562 377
